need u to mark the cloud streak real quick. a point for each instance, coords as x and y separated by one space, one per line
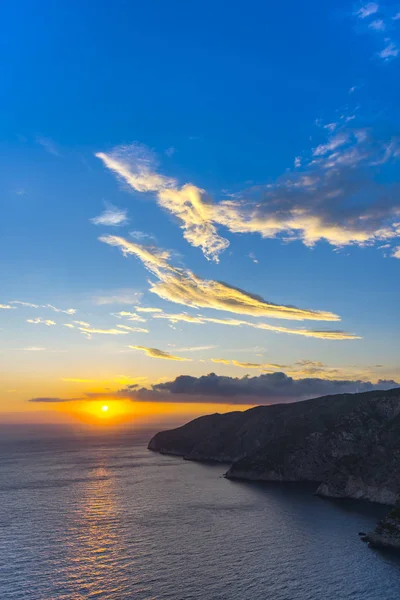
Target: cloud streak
311 204
182 286
133 329
336 334
41 321
156 353
112 216
135 166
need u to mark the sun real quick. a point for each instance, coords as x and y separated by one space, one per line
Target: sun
104 408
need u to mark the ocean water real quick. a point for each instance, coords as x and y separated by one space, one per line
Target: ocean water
106 518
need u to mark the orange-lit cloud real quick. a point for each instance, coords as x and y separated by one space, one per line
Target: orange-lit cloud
182 286
200 319
156 353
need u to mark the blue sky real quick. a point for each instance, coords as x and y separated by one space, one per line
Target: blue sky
284 121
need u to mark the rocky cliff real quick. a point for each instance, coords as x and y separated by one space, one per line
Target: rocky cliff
348 444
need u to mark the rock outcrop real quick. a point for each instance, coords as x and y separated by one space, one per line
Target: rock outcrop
348 444
387 532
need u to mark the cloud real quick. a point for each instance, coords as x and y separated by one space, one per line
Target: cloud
68 311
222 361
91 330
130 382
377 25
51 400
253 258
82 323
195 348
319 203
178 317
121 296
201 320
262 389
40 321
141 236
367 10
248 365
133 329
333 143
112 216
312 204
130 316
136 166
390 51
306 368
396 252
148 309
6 307
34 349
69 325
182 286
25 304
48 144
156 353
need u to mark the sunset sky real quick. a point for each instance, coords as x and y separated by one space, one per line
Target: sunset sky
188 190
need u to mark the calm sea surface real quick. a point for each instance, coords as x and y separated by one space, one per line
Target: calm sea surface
109 519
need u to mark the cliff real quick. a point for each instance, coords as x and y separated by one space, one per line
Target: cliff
348 444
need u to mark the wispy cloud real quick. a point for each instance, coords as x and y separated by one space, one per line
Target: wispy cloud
377 25
182 286
148 309
390 50
396 252
82 323
141 236
133 329
200 320
41 321
129 316
25 304
6 307
69 325
68 311
112 216
253 258
305 368
48 144
195 348
310 204
112 331
56 399
136 166
156 353
121 296
371 8
34 349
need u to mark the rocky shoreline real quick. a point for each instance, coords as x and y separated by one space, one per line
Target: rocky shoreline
348 444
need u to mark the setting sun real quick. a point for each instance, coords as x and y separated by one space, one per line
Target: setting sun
104 408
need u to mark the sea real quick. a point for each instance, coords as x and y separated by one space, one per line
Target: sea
100 516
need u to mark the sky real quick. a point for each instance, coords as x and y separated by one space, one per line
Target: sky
200 206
